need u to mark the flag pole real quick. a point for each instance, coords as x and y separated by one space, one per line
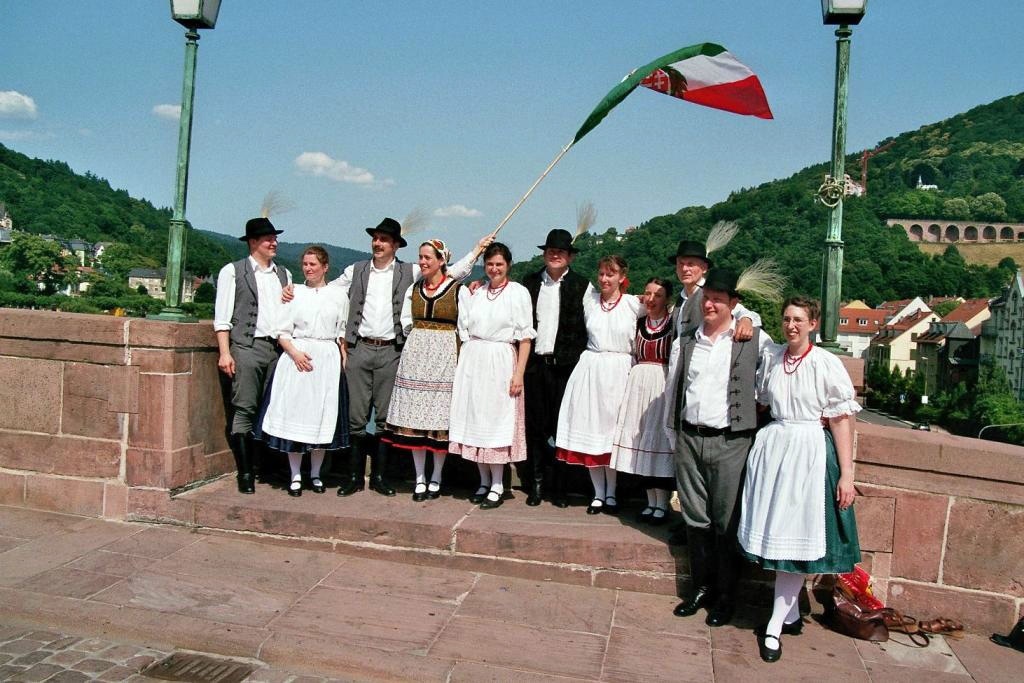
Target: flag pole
532 188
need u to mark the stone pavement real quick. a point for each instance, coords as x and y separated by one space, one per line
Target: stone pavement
131 591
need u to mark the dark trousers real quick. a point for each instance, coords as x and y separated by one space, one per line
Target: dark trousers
543 387
253 365
371 377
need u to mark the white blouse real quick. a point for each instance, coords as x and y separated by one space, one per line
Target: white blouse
505 318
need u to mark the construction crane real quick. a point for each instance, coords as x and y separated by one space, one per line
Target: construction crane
864 162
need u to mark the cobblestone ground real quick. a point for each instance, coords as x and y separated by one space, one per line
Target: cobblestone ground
27 655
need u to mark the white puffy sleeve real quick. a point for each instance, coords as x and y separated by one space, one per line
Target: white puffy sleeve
771 355
465 303
835 386
522 313
283 324
406 318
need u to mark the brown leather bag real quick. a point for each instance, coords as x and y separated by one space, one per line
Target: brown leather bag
852 620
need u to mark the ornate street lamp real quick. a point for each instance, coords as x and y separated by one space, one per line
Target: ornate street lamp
844 13
193 15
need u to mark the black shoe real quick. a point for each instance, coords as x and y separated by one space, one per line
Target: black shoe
595 506
317 485
700 598
355 479
295 489
419 493
434 490
611 508
479 496
379 484
768 654
794 629
490 503
560 503
1014 639
721 613
535 496
658 520
246 483
353 485
644 516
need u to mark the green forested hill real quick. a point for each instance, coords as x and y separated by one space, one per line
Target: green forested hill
976 159
47 197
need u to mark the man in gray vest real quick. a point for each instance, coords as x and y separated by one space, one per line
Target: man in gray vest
714 415
248 294
374 336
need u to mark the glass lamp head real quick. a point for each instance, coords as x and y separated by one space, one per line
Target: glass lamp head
840 12
195 13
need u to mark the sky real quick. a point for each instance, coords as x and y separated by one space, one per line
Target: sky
354 111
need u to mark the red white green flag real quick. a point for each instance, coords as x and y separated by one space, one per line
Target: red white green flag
706 74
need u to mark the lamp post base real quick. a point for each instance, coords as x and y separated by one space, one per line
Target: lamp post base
172 314
833 348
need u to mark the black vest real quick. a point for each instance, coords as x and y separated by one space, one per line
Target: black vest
571 338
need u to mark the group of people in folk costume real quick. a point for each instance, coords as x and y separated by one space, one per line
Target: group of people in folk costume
756 437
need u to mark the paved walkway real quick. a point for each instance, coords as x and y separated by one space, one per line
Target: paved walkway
132 592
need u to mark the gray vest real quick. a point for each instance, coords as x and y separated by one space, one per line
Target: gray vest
742 379
357 298
687 317
243 317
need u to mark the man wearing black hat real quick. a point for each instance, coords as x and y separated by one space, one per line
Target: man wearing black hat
248 294
557 293
374 335
714 415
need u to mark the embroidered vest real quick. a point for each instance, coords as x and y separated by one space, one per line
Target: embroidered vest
243 317
357 298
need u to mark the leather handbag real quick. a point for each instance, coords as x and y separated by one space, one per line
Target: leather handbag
855 621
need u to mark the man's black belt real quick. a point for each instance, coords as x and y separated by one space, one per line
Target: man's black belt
546 358
375 342
701 430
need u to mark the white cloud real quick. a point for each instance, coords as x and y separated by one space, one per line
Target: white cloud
320 164
457 211
19 135
171 112
14 105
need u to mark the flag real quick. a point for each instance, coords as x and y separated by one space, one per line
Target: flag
706 74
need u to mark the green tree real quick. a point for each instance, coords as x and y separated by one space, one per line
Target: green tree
36 263
205 294
944 308
117 261
989 206
956 209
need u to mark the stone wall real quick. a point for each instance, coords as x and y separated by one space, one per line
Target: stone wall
101 414
941 521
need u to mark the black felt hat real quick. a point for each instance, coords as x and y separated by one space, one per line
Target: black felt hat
389 226
722 280
559 239
690 248
258 227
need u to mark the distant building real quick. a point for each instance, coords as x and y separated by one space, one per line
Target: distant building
857 326
947 353
971 312
851 187
1003 333
155 282
921 185
901 308
895 344
6 225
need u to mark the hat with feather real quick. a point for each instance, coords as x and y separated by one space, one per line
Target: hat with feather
261 226
721 234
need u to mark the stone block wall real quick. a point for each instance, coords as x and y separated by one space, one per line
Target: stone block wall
98 411
941 521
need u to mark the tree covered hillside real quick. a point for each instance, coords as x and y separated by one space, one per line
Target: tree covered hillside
969 156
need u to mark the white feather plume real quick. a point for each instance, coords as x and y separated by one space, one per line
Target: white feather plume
586 216
721 234
415 221
274 204
763 279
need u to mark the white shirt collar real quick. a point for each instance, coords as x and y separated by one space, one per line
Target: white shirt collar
728 332
548 280
272 268
388 268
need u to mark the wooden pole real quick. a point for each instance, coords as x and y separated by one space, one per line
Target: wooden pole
532 188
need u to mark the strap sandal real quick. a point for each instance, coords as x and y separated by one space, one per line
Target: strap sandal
943 626
897 622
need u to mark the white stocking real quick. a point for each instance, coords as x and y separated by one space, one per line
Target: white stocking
610 476
419 463
787 593
485 475
435 475
316 459
597 479
295 462
498 478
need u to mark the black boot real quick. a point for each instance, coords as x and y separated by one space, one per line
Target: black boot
244 454
699 544
378 470
727 565
354 479
536 491
559 474
1014 639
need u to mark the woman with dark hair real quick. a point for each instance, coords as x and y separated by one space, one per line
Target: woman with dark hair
796 512
641 446
305 409
487 419
587 416
420 409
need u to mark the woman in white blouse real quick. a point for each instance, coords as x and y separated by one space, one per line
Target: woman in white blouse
496 329
305 409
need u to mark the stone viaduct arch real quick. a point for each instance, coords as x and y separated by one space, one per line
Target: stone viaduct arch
936 230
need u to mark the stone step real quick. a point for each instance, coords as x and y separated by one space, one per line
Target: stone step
541 543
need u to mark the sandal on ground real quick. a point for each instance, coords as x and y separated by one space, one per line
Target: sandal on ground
419 492
317 485
479 495
942 626
295 488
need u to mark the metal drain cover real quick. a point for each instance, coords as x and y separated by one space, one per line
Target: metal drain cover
182 666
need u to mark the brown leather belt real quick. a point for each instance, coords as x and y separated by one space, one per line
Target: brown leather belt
375 342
